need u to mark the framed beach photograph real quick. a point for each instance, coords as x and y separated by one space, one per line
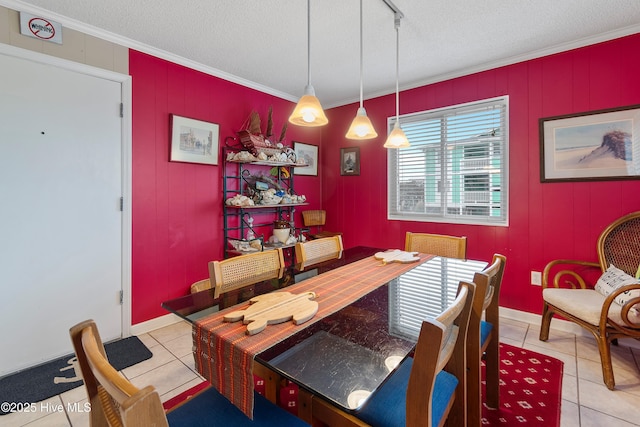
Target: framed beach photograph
194 141
596 145
309 153
350 161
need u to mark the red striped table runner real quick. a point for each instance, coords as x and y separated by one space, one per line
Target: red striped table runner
224 353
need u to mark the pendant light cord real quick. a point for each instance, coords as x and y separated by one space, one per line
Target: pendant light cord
308 42
361 63
397 25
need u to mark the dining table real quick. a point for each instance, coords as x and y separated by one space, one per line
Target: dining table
369 317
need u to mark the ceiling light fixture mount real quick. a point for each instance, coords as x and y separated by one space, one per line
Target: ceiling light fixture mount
361 127
397 138
308 111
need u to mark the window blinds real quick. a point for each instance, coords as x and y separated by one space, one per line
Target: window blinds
456 167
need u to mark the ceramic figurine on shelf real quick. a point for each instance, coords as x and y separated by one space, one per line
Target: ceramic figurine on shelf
250 234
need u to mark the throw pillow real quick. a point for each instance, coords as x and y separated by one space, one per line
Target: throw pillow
614 278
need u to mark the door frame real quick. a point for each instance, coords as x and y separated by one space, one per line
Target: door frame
125 84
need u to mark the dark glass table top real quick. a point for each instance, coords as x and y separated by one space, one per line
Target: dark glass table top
195 306
347 355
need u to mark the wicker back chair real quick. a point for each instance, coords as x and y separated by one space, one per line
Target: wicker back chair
200 285
483 340
244 270
116 402
436 244
618 245
315 220
318 250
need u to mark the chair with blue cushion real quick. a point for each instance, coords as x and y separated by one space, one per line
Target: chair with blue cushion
436 244
483 340
117 402
244 270
319 250
428 389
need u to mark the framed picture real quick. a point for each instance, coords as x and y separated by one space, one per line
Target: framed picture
309 153
350 161
194 141
596 145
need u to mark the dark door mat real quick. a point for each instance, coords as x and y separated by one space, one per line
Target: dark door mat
52 378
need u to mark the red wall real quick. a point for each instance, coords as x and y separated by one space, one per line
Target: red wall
547 221
177 207
177 217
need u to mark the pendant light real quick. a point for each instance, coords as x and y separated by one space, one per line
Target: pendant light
397 138
361 127
308 112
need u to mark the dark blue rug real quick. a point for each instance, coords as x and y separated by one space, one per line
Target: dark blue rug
52 378
209 408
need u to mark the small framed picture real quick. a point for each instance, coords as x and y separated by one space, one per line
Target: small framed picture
194 141
350 161
594 145
308 153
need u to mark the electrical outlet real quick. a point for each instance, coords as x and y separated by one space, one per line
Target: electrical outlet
536 278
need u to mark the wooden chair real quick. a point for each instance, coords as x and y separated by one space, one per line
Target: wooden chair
244 270
318 250
430 388
117 402
200 285
483 340
316 219
436 244
618 245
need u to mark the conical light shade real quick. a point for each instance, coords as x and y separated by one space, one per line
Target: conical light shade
361 127
308 112
397 138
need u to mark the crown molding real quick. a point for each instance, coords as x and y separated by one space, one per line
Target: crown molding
536 54
133 44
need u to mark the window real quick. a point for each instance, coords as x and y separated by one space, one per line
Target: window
456 167
425 292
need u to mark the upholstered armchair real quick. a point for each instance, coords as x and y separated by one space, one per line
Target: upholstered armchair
611 309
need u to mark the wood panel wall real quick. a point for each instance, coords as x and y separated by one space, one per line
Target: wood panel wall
177 207
177 215
547 221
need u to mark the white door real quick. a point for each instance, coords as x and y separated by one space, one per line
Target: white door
60 217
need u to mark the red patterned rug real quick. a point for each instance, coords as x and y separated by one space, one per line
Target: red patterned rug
530 391
185 395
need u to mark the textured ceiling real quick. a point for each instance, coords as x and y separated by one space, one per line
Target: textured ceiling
263 43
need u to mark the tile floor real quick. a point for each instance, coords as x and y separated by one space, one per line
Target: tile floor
586 402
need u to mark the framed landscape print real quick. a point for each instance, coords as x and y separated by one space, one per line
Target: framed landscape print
194 141
309 153
596 145
350 161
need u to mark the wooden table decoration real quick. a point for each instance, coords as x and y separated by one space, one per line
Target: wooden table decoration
397 255
274 308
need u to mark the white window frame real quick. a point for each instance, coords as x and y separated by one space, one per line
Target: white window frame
471 173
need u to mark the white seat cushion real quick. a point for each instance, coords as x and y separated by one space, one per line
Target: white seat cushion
585 304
